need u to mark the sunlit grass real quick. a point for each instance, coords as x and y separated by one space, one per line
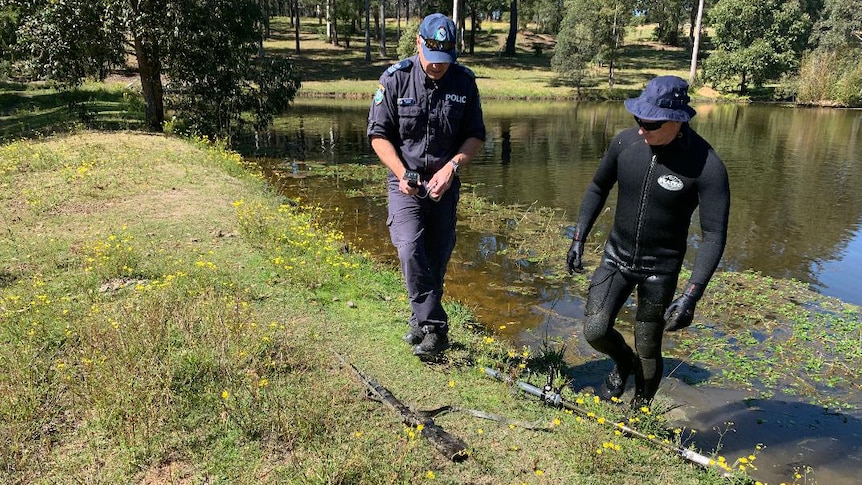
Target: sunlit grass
170 313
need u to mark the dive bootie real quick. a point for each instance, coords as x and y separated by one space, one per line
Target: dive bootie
639 402
432 345
615 384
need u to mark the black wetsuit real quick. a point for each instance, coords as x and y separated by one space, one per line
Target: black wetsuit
659 188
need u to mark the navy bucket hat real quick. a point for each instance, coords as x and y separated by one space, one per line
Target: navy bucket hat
663 98
438 38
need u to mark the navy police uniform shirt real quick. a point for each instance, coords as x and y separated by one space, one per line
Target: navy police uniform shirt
426 120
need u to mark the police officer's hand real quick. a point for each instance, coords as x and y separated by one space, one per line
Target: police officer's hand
405 188
440 182
681 312
573 258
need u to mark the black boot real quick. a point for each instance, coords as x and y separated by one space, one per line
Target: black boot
413 336
615 384
433 343
639 402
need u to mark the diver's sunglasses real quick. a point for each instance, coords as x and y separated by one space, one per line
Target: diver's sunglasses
438 45
650 125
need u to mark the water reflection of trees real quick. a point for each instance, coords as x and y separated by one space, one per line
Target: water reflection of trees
795 175
794 172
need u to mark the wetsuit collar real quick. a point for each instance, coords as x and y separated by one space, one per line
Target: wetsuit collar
681 139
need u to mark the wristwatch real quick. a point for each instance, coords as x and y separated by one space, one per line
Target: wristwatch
455 165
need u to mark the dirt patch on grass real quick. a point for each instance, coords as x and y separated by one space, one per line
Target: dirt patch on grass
173 472
708 92
105 178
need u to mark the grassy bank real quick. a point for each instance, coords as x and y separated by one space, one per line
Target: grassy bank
164 317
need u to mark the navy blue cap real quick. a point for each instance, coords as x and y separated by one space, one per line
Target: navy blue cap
663 98
440 28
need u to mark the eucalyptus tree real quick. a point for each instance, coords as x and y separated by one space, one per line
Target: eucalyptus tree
668 16
832 72
65 40
592 30
755 40
204 49
513 29
547 14
840 25
577 46
8 23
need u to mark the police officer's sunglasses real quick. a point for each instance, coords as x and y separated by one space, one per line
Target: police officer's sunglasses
650 125
438 45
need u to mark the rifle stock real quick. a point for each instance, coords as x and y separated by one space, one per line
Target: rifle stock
450 446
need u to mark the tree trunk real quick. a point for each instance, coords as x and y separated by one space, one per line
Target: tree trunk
614 48
329 20
296 7
382 28
334 24
150 69
513 29
473 22
456 18
266 16
696 43
368 30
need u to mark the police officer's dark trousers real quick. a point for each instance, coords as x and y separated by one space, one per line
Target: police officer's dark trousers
610 287
423 232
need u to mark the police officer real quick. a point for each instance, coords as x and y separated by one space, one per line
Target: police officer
663 170
424 123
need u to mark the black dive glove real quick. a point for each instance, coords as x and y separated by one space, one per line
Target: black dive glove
680 313
573 259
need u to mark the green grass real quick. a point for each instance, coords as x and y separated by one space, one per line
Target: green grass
34 109
164 316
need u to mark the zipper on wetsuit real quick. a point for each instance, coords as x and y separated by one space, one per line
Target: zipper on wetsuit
641 209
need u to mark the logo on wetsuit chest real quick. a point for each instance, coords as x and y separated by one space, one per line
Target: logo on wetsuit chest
671 182
455 98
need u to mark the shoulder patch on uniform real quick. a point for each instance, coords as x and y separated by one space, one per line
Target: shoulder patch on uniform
399 66
467 71
378 95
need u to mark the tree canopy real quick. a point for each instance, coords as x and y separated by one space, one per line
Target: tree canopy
204 59
756 40
205 51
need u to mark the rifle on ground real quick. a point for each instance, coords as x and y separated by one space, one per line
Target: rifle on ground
450 446
553 398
